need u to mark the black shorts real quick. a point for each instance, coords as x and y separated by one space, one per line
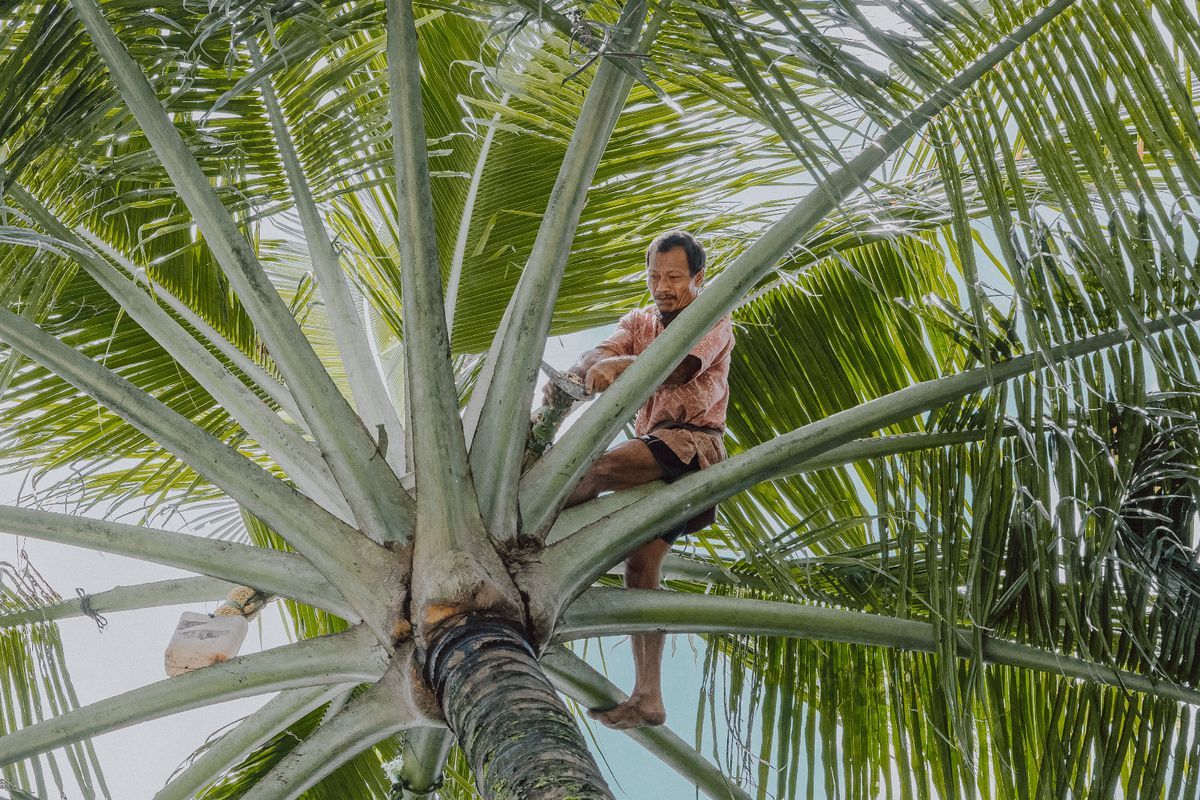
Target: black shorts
672 469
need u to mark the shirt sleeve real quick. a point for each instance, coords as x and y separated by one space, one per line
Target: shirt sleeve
717 341
623 340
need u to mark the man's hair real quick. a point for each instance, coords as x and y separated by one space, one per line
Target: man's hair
672 239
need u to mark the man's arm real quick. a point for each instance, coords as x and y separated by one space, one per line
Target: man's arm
601 374
599 368
590 359
687 369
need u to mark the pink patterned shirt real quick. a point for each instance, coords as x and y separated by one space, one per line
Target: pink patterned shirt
701 401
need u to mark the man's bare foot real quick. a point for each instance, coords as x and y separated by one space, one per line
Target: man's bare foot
635 712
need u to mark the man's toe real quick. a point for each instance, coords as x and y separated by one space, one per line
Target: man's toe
623 721
620 717
606 716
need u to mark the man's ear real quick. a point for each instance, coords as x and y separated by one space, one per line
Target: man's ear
699 278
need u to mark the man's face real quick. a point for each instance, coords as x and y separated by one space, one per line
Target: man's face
670 283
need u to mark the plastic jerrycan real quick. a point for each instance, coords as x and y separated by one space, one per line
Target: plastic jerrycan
201 640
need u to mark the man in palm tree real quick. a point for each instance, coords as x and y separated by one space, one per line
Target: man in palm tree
679 430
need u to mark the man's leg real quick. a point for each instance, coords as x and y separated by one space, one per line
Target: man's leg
627 465
643 570
631 464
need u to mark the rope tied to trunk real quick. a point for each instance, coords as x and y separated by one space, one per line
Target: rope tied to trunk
85 606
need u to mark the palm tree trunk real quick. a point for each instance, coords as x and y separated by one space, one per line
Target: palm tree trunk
520 739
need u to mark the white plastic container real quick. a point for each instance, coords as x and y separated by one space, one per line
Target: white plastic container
201 641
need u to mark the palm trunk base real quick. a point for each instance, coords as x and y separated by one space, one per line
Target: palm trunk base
521 741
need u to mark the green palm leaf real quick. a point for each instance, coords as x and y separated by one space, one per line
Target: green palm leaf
34 684
1050 203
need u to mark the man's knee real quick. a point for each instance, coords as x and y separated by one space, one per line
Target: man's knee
605 468
627 465
643 568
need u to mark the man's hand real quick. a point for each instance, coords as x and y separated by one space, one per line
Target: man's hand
604 372
552 394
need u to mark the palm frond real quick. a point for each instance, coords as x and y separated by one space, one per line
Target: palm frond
35 685
1053 201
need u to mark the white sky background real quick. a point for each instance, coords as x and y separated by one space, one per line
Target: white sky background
128 654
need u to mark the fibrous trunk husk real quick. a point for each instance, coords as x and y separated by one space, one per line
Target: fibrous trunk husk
520 739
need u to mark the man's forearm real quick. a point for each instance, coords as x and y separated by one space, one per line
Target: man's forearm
609 367
615 364
686 370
